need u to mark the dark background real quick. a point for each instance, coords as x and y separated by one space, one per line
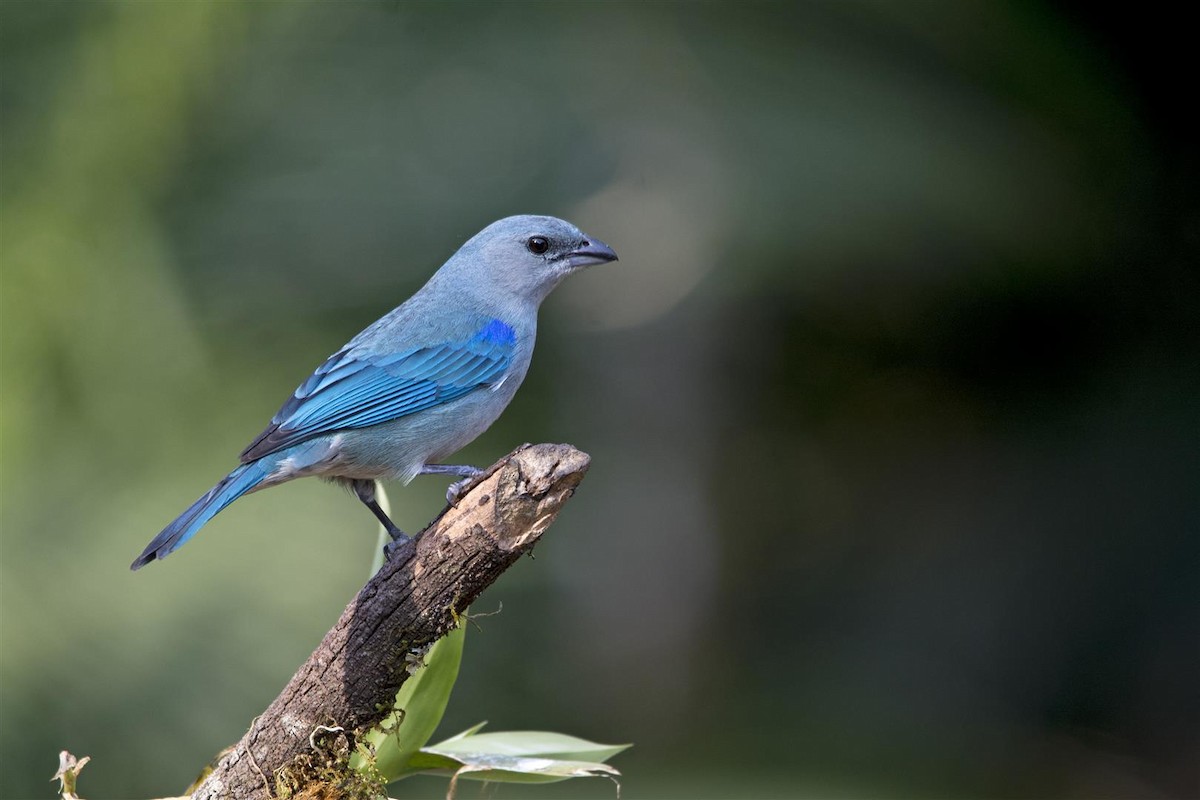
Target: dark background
892 397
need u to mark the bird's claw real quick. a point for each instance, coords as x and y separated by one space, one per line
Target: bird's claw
455 492
459 488
391 548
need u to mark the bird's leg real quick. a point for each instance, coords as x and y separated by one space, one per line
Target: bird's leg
365 491
465 474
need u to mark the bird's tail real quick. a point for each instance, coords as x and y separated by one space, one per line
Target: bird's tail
230 488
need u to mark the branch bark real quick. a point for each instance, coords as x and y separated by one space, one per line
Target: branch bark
351 679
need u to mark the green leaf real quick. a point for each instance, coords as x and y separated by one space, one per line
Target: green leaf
507 769
515 757
542 744
430 763
422 761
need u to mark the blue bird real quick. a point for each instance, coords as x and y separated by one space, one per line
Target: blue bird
417 385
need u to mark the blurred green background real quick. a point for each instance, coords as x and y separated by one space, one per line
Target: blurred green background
892 397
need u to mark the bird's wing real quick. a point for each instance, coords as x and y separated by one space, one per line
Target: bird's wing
355 389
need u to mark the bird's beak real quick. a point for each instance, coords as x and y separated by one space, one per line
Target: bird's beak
589 252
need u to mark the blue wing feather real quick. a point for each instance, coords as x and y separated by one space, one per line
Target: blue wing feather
355 389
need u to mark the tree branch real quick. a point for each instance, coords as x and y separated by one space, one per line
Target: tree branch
351 679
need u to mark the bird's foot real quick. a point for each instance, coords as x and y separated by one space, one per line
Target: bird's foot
395 545
465 475
459 488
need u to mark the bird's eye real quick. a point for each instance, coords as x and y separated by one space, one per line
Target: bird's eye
538 245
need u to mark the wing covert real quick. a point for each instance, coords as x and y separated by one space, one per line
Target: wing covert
353 389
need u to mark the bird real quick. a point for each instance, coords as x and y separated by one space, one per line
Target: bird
415 386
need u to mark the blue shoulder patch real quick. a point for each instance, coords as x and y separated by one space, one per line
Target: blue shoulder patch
496 332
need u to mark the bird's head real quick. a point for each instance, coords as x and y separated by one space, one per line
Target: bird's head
529 255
